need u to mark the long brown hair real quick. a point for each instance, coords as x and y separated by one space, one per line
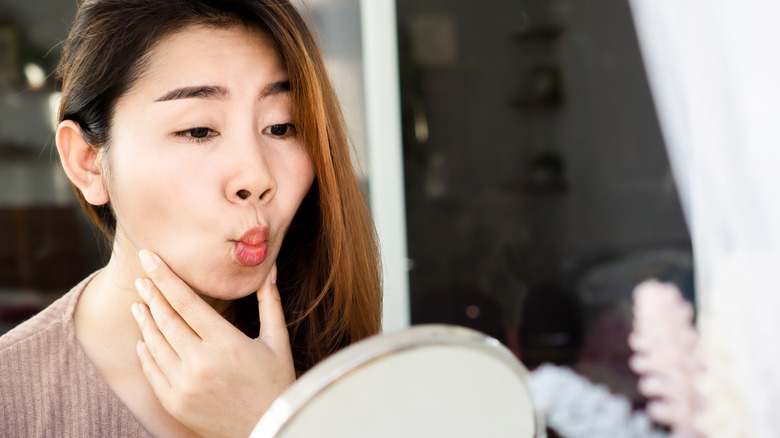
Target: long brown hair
329 270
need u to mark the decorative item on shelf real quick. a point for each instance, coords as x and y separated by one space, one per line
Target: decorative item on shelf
24 64
9 53
542 19
543 88
546 174
13 150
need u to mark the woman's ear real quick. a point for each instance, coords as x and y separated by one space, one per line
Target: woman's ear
81 163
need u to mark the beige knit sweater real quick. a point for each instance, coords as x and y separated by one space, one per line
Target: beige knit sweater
48 386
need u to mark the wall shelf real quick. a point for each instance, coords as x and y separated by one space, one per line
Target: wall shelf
539 33
546 102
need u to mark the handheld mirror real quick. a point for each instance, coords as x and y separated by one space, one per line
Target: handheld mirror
429 380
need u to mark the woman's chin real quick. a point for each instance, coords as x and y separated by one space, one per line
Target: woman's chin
229 292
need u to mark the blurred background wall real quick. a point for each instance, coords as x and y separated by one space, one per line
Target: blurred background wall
45 243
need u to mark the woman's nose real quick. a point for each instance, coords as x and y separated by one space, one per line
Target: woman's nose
252 179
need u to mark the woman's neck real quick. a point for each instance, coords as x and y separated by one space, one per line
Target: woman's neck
108 334
103 311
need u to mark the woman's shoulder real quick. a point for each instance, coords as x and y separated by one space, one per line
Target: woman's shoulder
41 346
48 387
36 359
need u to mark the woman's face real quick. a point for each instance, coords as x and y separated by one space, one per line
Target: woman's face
204 165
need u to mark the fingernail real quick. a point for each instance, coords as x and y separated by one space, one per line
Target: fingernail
143 288
147 260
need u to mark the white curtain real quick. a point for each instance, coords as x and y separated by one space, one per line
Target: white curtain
714 70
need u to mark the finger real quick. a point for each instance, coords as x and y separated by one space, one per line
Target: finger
655 386
273 328
157 379
637 342
640 364
170 324
201 317
155 343
662 411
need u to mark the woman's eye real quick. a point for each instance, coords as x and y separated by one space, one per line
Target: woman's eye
282 130
199 132
196 134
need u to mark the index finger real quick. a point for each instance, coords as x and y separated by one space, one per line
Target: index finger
273 328
201 317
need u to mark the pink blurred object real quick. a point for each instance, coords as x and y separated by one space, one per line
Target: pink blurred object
666 356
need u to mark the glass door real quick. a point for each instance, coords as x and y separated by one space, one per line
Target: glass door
538 190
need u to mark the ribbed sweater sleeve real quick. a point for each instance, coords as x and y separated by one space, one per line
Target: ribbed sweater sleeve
48 386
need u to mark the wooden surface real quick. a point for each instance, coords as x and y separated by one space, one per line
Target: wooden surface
39 248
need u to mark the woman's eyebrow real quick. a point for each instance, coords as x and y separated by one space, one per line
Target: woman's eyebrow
216 91
275 88
198 91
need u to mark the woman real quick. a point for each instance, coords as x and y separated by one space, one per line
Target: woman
202 137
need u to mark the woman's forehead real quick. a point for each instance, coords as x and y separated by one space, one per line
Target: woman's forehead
208 55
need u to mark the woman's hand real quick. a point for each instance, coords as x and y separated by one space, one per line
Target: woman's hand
665 345
206 373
